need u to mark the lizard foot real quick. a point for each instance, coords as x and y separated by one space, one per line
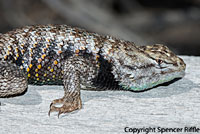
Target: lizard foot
69 105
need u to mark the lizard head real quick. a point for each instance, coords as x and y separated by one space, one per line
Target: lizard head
143 67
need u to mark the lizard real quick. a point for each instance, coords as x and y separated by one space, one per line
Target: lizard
78 59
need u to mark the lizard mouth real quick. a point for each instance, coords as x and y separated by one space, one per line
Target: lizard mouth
140 86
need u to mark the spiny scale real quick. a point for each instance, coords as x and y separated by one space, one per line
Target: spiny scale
40 50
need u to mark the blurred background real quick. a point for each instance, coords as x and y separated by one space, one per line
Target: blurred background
175 23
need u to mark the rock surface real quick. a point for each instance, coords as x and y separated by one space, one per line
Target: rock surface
173 105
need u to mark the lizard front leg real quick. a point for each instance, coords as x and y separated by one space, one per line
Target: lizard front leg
74 68
71 100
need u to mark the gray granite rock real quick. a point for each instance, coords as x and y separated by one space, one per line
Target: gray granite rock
174 105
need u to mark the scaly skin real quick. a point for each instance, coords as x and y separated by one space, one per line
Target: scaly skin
77 59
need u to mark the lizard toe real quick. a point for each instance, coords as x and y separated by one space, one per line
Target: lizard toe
67 107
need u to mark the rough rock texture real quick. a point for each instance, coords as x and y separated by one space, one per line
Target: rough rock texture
173 105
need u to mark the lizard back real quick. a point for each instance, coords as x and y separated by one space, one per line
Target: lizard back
40 50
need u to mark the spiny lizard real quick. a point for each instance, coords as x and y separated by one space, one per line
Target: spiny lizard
77 59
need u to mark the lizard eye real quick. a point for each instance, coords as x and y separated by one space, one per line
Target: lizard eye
131 67
159 61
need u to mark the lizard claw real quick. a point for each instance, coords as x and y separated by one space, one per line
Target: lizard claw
49 113
59 113
66 107
50 105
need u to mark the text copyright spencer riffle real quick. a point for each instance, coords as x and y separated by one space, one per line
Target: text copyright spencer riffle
161 130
